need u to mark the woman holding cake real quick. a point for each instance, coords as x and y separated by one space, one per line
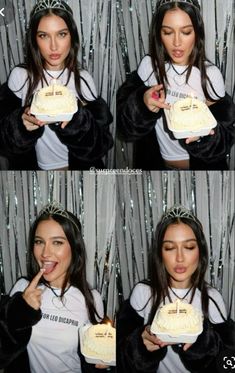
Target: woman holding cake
40 321
51 59
176 69
177 276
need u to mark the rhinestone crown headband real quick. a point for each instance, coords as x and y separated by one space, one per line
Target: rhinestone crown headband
55 208
178 211
50 4
191 2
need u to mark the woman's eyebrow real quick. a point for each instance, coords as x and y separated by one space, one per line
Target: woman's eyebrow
45 32
188 240
165 26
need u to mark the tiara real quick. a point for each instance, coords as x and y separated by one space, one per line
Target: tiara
55 208
51 4
191 2
178 211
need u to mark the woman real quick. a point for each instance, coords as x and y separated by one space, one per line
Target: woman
40 321
52 49
176 68
177 270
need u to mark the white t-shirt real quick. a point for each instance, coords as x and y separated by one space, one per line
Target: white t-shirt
178 89
51 153
54 340
139 301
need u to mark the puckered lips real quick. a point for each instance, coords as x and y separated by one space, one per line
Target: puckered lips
49 266
180 269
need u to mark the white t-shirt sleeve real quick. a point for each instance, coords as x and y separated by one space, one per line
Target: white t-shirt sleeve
20 285
217 81
88 88
145 72
16 82
140 300
214 314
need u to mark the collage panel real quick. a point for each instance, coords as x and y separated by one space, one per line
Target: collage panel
57 82
57 272
176 85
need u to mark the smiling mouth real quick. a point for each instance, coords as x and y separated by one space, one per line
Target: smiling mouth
49 266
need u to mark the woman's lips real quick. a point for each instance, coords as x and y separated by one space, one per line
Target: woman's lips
49 266
178 53
180 269
55 56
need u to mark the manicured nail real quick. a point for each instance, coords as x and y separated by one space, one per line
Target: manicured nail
155 95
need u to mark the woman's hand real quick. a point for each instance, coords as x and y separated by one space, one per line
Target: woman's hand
154 98
32 295
151 342
193 139
100 366
30 122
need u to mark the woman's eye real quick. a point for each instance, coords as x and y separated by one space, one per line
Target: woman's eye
42 36
168 248
167 33
62 34
190 247
38 242
57 243
187 33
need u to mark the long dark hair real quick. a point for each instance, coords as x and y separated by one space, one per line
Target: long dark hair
159 278
76 274
34 61
159 54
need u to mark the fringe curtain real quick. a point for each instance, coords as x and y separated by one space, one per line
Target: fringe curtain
133 21
119 214
96 22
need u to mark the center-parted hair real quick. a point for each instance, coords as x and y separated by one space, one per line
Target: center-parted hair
34 60
159 55
159 279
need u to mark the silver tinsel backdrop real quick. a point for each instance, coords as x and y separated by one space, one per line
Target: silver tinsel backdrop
119 214
133 21
96 21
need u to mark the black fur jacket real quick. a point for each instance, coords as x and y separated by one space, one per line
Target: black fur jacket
136 123
87 135
16 321
201 357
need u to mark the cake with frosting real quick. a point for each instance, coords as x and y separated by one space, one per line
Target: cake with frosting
53 100
190 114
178 318
99 341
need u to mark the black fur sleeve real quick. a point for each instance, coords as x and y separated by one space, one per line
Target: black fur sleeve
216 146
87 135
134 119
202 355
14 137
16 321
132 355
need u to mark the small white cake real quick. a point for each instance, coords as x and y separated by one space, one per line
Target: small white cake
99 341
53 100
177 319
190 117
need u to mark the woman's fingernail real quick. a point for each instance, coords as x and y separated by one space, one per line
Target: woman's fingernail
155 95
